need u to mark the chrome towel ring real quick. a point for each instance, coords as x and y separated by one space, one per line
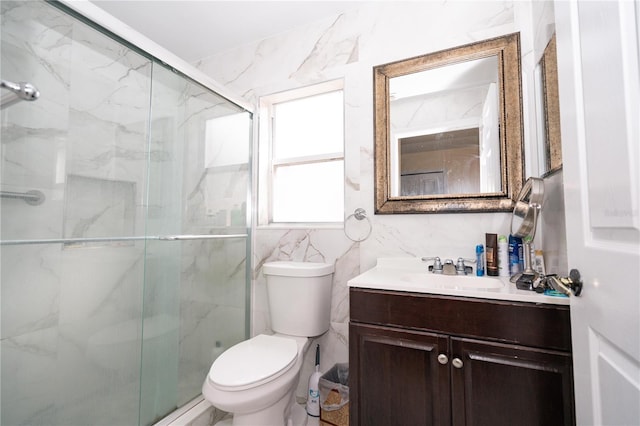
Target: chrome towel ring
359 214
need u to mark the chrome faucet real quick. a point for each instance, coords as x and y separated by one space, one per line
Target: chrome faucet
448 267
461 268
436 268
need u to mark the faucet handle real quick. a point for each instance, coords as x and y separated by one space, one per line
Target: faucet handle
461 268
437 264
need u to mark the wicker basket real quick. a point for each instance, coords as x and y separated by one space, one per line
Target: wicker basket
334 418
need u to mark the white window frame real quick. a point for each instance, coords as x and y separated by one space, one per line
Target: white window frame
266 164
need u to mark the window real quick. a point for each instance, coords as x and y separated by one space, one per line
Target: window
301 156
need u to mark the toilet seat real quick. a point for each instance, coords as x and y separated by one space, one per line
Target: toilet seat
253 362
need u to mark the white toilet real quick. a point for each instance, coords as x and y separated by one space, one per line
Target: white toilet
256 379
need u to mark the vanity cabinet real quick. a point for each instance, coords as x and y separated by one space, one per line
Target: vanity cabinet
421 359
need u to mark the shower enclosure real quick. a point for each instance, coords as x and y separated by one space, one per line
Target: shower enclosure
124 227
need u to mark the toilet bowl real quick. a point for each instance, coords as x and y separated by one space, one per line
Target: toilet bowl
261 393
255 380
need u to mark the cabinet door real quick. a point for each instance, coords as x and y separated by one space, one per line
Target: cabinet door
497 384
395 377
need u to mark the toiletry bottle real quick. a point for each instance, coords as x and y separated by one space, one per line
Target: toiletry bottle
521 253
503 256
480 260
313 398
514 255
539 262
491 254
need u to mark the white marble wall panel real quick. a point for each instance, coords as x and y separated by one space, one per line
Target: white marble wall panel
543 19
212 307
27 383
97 382
90 119
35 48
100 286
58 308
30 289
347 46
110 87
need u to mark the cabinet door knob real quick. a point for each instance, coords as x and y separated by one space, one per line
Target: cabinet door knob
457 363
443 359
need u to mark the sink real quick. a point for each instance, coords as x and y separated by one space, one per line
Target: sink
453 282
410 274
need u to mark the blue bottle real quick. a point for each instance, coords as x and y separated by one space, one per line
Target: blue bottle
480 260
515 250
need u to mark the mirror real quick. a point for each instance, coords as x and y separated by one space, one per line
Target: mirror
448 130
551 141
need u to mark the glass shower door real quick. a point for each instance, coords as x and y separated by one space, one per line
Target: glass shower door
71 266
121 285
195 279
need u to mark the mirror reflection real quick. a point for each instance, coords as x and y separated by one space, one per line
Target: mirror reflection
550 137
444 130
448 130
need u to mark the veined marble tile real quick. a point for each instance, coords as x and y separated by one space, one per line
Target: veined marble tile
27 385
97 380
36 41
30 289
101 284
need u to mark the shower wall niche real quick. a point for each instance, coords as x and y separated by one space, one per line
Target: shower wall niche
122 286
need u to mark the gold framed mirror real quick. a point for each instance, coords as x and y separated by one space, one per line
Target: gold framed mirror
448 130
551 109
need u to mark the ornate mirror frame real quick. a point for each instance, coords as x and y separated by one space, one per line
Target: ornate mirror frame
552 140
507 50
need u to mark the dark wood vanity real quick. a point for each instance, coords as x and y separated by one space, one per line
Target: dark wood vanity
423 359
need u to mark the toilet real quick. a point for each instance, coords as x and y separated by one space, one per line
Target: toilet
255 380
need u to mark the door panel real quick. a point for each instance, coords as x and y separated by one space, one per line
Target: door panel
600 111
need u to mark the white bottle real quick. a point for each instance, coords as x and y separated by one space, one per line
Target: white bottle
313 397
503 256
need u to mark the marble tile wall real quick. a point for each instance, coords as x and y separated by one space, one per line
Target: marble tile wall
346 47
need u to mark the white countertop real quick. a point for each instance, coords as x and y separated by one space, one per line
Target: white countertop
412 274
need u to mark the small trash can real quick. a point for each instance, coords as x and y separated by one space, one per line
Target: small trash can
334 396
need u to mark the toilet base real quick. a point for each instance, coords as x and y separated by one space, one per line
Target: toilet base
298 417
275 415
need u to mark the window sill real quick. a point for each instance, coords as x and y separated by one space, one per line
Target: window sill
273 226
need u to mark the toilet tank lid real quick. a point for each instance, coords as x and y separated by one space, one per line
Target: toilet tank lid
297 269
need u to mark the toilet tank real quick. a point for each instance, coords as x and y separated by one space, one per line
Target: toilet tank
299 296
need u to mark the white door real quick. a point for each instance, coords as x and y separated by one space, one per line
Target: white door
600 111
